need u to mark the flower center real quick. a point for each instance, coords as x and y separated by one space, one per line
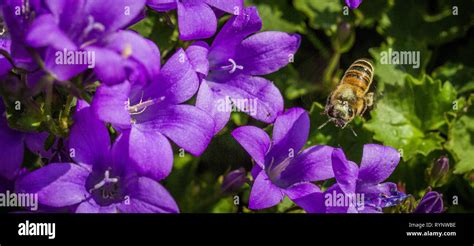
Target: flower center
92 25
107 189
141 106
233 66
274 172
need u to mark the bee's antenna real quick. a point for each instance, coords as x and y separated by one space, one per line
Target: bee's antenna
352 129
324 124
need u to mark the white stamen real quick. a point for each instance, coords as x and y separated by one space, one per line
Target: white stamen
233 67
104 181
141 106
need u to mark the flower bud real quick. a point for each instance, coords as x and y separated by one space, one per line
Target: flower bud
343 32
439 170
432 202
353 4
233 181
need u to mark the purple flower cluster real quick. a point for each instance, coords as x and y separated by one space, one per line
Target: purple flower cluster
282 169
118 147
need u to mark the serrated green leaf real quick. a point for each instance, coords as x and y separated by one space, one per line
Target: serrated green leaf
408 117
461 140
394 74
460 75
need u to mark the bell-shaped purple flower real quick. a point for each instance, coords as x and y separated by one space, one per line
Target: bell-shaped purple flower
149 114
233 64
16 17
360 189
101 180
281 169
76 35
432 202
196 18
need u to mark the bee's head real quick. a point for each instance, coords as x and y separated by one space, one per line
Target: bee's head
340 113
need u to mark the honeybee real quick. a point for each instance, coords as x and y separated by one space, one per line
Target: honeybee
351 97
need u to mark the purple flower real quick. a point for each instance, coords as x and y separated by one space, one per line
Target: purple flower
149 114
234 63
362 186
76 35
432 202
16 17
101 180
353 4
196 18
5 44
280 169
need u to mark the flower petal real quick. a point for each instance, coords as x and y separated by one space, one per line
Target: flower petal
196 20
181 123
89 140
177 81
267 52
345 172
212 101
197 54
378 163
234 7
109 67
313 164
11 150
46 24
234 31
134 47
57 184
353 4
150 152
56 63
162 5
308 196
90 206
254 140
110 102
148 196
290 133
264 193
255 96
115 14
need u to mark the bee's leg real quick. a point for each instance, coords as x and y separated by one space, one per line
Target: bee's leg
369 99
326 107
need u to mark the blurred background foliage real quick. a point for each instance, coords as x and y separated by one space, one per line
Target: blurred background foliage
426 113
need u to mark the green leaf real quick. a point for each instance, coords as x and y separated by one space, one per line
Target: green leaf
408 117
460 75
161 28
434 26
278 15
394 74
321 14
461 140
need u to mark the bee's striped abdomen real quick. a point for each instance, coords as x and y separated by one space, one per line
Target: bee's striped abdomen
359 74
